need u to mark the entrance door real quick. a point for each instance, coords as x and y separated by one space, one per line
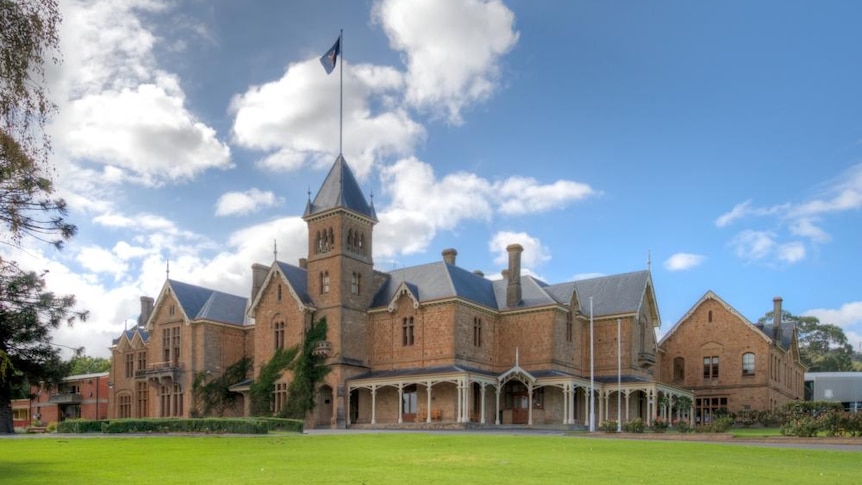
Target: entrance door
520 408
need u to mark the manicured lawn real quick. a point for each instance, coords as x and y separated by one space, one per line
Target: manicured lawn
409 458
755 432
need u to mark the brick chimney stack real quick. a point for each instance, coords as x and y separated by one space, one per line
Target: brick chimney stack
146 310
513 288
449 256
258 274
776 319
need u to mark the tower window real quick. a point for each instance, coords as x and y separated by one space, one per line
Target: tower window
355 283
407 331
324 282
477 332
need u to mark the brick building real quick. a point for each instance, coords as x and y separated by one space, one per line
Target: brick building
82 396
429 344
730 363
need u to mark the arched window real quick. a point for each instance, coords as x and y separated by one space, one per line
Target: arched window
709 316
748 364
279 292
350 239
318 243
324 282
679 369
331 240
278 335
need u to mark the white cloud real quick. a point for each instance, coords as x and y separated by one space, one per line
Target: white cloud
524 195
848 317
304 130
241 203
118 109
100 260
452 49
804 219
753 245
683 261
791 252
534 253
420 204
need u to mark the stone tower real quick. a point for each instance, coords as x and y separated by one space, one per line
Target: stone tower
341 274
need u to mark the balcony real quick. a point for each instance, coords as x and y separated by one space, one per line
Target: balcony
646 359
323 348
66 398
161 370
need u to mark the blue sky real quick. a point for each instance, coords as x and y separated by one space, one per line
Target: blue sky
722 139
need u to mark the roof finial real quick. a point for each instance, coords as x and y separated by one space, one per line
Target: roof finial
274 250
168 269
516 357
308 191
649 260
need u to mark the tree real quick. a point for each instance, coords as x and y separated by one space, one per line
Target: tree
28 33
84 364
823 347
28 313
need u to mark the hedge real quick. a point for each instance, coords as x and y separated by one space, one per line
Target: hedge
173 425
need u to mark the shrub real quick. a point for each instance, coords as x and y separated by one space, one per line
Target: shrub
634 426
206 425
284 424
682 426
659 425
52 427
608 426
804 427
80 426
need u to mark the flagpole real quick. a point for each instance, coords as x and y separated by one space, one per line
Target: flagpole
592 375
619 377
341 92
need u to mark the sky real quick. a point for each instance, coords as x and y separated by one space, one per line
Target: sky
718 144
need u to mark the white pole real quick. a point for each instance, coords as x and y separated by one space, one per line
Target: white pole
341 92
619 377
592 375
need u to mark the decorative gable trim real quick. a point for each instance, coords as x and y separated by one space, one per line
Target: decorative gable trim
403 290
167 292
273 270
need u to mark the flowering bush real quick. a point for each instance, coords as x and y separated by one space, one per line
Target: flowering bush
634 426
609 426
659 425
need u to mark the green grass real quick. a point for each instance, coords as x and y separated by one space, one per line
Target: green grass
409 458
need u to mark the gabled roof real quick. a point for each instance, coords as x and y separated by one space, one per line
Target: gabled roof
340 190
129 335
437 281
612 295
200 303
787 331
615 294
297 281
710 295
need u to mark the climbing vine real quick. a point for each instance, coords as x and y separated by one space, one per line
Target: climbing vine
213 398
308 369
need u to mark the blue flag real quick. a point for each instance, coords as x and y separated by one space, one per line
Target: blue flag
328 59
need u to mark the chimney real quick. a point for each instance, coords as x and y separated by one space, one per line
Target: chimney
258 274
303 263
513 288
449 256
776 320
146 310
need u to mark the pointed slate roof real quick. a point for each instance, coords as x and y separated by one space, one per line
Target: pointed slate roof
436 281
612 295
200 303
340 190
130 334
298 279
